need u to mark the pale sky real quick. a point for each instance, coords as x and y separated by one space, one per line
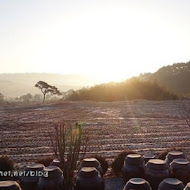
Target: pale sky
112 40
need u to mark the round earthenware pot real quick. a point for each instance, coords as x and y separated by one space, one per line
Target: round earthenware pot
52 179
147 157
133 167
55 162
171 184
9 185
173 155
180 169
89 178
31 175
137 184
92 162
156 171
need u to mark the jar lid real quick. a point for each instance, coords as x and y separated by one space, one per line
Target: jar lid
90 162
157 164
149 156
35 167
134 159
179 163
9 184
175 154
171 183
55 162
137 181
88 172
187 187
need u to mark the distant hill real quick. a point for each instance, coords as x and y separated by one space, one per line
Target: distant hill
13 85
175 77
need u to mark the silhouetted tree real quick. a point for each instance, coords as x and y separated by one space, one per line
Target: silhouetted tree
1 98
37 97
46 88
26 98
175 77
127 90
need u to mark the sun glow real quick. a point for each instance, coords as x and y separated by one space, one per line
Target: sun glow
112 41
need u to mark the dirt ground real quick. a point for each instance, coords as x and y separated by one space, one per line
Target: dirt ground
143 126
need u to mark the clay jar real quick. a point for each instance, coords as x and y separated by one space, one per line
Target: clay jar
180 169
173 155
147 157
9 185
156 171
171 184
31 177
137 184
55 162
89 178
92 162
187 187
133 167
52 179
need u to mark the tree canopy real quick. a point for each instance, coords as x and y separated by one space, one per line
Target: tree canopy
46 88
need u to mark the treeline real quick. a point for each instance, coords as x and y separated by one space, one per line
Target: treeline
175 77
127 90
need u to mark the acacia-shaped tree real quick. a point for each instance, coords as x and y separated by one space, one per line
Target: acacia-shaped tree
46 88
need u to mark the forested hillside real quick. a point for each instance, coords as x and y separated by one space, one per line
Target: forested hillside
175 77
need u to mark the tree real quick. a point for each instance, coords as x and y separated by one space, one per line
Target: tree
26 98
46 88
1 98
37 98
184 110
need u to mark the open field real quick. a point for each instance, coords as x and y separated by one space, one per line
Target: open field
113 127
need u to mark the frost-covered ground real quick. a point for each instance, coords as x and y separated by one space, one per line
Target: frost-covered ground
144 126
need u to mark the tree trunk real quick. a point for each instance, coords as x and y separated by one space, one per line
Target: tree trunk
44 98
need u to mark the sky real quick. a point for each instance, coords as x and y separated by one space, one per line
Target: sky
112 40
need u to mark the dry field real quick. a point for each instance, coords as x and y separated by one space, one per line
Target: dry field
143 126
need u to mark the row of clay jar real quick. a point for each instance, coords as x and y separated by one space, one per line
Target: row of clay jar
89 176
156 170
38 177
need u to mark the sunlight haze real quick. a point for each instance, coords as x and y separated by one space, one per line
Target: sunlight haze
112 40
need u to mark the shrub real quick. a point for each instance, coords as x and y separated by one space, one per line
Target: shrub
103 163
117 164
69 143
6 165
45 161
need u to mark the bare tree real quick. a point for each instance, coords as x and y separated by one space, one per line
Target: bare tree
46 88
184 110
69 144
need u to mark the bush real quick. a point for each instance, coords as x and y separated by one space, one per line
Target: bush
69 143
6 165
103 163
118 162
45 161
